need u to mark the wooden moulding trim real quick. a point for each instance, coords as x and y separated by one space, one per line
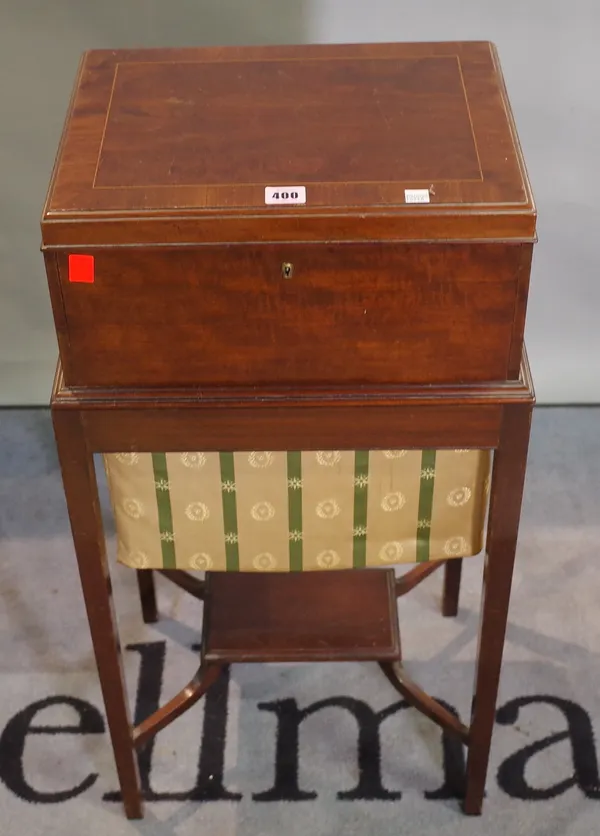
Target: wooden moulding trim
57 249
485 226
472 394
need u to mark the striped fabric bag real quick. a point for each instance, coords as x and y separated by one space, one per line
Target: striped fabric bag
262 511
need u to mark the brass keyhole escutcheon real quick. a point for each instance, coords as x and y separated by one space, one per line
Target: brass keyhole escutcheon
287 270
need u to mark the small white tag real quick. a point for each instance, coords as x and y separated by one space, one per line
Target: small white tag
416 195
282 195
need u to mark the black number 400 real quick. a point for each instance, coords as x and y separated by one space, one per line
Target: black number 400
285 195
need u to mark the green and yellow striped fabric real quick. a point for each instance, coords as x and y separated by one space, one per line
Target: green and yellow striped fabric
262 511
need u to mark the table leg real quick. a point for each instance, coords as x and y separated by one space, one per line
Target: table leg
451 593
505 507
83 505
147 590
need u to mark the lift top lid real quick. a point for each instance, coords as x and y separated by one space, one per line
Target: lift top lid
174 146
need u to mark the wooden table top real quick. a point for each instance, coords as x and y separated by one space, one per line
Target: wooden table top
153 135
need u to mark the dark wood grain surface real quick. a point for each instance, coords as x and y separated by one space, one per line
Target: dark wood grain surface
199 123
349 314
337 616
168 135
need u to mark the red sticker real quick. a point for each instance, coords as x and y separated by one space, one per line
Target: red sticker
81 268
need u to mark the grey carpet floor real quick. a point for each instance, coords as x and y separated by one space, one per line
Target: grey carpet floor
300 749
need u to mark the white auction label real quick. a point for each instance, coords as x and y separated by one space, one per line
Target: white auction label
416 195
285 195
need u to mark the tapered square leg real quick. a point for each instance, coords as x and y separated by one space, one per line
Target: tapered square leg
503 525
147 590
79 479
451 593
